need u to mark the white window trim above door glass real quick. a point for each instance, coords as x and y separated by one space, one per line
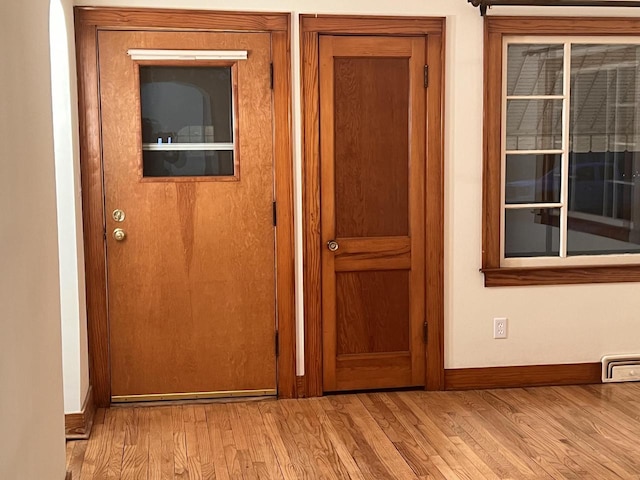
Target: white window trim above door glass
147 54
563 258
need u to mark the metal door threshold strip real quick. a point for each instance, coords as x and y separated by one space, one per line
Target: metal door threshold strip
155 397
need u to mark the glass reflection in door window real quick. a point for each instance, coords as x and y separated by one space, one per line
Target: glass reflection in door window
187 121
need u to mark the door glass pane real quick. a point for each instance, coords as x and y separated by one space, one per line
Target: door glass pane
532 179
534 124
532 232
534 69
371 146
604 161
187 121
196 163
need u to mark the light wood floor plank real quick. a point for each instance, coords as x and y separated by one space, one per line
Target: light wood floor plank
585 432
181 466
194 464
265 462
91 456
203 444
596 457
155 444
217 448
336 442
359 448
76 458
287 467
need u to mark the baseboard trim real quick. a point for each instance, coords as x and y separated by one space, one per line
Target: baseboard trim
522 376
301 391
77 426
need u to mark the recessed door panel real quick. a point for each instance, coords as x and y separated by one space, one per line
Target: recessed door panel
371 148
372 131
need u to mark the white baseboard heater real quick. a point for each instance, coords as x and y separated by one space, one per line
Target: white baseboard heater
621 368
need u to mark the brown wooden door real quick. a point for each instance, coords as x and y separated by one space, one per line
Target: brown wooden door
372 134
191 287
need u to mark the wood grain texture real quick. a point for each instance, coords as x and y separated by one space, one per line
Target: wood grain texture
562 25
93 210
495 30
373 253
143 18
311 213
195 277
418 206
491 175
327 211
522 376
435 221
512 277
372 130
372 312
88 22
300 387
78 425
310 26
371 25
585 432
285 235
371 125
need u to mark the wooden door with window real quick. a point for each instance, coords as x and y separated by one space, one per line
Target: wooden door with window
188 177
372 162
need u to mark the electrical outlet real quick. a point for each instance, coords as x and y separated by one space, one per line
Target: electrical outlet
499 328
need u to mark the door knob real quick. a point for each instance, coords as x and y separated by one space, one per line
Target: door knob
332 245
119 234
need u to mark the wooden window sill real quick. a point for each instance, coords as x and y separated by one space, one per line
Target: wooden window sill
522 276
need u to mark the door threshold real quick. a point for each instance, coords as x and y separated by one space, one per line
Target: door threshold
163 397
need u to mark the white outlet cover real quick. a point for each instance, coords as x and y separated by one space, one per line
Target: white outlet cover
500 332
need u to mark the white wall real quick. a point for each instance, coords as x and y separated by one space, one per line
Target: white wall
31 405
69 206
560 324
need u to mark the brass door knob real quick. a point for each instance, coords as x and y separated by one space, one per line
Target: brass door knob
119 234
332 245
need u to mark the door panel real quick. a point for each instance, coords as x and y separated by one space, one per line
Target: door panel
372 312
372 130
191 287
371 117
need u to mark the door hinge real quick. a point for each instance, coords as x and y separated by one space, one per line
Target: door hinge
271 74
275 214
426 76
425 332
277 344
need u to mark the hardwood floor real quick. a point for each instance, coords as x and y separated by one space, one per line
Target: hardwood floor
538 433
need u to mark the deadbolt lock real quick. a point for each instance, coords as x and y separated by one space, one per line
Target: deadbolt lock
118 215
333 246
119 234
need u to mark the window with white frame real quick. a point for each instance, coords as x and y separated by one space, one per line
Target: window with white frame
570 146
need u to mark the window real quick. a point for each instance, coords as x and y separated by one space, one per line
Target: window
562 151
187 121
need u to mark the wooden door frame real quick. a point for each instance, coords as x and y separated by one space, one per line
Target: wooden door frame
88 22
311 27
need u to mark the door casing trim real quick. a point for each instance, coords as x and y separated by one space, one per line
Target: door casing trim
311 27
88 21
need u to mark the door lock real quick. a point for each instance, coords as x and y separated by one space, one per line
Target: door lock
332 245
118 215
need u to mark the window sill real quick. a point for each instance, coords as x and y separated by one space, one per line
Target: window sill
513 277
